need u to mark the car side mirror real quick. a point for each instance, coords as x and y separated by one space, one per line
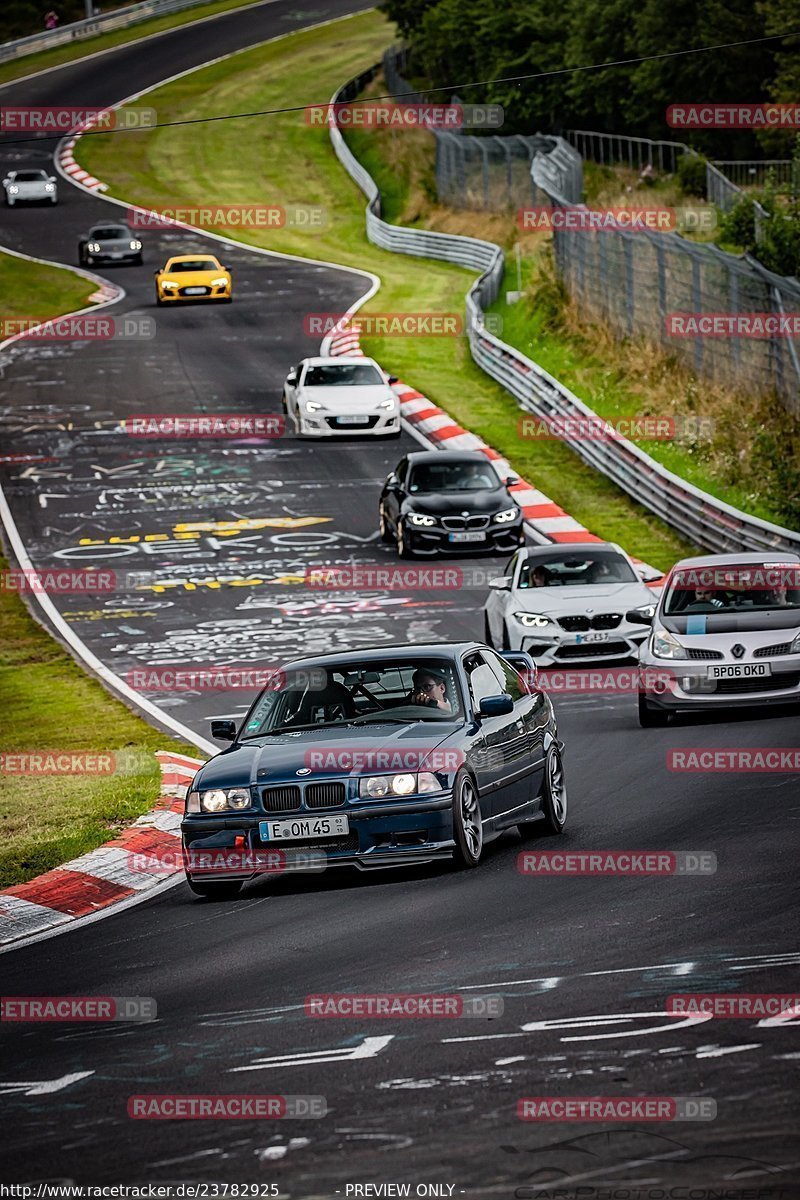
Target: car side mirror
223 731
392 481
291 378
637 617
393 379
512 480
501 584
496 706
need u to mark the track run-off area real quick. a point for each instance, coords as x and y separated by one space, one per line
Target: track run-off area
222 534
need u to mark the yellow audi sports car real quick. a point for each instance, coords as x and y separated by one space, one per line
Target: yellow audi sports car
193 277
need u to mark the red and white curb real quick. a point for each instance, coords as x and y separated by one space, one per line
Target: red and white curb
105 877
67 163
441 432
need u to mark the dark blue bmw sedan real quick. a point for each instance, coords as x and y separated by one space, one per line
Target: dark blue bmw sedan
377 758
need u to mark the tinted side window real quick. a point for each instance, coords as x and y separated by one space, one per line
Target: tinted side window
483 681
402 470
508 678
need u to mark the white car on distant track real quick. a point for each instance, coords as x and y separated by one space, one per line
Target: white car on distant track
569 604
336 396
29 186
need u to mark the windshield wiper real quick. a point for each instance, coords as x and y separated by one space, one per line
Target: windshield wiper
296 728
384 719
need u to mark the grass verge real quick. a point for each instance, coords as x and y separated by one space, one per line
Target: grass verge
31 289
47 702
283 160
72 51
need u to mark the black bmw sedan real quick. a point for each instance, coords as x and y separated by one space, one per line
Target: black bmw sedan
376 758
449 502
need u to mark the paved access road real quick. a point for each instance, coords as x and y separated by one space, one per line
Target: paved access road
584 965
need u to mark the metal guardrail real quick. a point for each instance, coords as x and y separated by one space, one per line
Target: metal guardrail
699 516
132 14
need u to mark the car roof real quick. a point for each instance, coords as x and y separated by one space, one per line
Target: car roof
337 360
569 548
191 257
424 456
744 559
378 653
110 225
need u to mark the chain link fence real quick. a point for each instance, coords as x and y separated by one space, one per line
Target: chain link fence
488 172
656 285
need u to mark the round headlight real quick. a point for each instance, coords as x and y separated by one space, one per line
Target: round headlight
376 786
404 785
239 798
213 801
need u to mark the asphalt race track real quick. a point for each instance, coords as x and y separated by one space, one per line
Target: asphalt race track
221 535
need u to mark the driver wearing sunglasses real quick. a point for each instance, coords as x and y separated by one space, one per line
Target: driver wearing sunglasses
430 688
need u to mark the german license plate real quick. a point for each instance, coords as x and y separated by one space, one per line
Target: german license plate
116 254
467 536
300 828
599 636
353 420
740 671
196 291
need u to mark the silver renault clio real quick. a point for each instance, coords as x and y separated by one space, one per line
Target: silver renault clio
726 633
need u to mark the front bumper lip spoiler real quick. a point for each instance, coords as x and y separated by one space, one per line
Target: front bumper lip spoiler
370 860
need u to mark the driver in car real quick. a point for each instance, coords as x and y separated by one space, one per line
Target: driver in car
430 688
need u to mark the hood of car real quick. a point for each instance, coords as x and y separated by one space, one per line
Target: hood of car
599 597
354 399
324 753
452 504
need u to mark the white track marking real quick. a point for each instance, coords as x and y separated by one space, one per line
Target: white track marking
369 1048
43 1087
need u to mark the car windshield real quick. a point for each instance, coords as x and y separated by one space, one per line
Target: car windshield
466 476
30 176
344 375
193 264
558 569
110 232
734 589
397 691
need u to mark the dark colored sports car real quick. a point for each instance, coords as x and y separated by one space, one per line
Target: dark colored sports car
449 502
109 243
377 758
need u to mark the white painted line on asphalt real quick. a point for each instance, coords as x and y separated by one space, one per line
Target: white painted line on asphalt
369 1048
719 1051
43 1087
